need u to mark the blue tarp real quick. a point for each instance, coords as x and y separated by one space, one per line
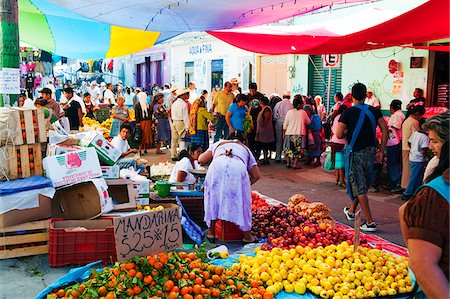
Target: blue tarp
20 185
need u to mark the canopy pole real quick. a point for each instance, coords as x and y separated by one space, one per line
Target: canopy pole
328 90
9 42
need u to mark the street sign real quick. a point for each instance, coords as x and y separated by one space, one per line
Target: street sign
331 61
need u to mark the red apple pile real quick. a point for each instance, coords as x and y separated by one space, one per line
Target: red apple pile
312 235
275 221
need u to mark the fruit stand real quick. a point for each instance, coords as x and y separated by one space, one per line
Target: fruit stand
306 255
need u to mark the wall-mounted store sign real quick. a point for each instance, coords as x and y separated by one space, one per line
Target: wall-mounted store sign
200 49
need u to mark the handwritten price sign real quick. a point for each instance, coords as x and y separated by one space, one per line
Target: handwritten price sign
9 81
148 233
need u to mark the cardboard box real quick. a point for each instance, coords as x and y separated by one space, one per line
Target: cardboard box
111 172
60 149
72 167
15 217
84 200
105 150
146 233
122 193
143 192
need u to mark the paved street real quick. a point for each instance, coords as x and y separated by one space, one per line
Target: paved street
28 276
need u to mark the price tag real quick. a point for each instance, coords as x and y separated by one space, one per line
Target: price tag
141 234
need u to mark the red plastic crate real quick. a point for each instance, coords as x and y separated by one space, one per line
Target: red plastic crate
227 231
75 247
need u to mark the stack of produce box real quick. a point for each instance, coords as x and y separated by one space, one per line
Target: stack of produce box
23 199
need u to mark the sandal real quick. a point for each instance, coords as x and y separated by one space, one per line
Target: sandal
245 241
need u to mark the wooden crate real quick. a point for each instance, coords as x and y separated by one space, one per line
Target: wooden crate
20 164
26 239
32 126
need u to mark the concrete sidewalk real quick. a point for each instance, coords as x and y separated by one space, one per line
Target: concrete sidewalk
25 277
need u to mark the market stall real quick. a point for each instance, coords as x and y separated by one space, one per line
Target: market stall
101 213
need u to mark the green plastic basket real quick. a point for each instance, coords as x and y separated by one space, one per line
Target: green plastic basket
102 114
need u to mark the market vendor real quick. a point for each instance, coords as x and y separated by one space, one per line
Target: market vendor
187 161
227 184
121 143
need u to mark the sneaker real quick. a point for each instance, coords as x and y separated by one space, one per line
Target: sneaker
348 215
397 190
368 227
374 189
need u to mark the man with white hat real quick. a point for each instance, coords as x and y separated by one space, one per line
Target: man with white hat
371 100
94 91
235 90
180 120
101 91
171 97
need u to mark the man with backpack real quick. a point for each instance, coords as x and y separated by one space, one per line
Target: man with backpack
358 124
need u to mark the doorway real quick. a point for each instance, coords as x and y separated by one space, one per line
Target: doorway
217 73
188 72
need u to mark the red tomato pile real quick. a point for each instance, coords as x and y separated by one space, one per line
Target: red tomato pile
258 202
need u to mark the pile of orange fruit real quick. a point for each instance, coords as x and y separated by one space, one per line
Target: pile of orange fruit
165 275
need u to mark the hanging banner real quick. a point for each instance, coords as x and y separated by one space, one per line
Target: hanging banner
9 81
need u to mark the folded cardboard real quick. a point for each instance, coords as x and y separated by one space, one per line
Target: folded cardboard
72 167
61 149
147 233
143 192
111 172
105 150
122 194
84 200
15 217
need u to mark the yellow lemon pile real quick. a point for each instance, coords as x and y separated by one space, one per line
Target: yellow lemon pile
149 208
335 271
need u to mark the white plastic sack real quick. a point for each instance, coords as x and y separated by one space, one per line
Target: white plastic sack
131 174
55 138
8 125
24 200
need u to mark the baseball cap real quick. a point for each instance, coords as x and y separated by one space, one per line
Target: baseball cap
46 90
369 90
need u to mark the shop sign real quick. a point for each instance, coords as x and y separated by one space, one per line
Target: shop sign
200 49
9 81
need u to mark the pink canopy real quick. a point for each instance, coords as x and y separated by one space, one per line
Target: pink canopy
427 22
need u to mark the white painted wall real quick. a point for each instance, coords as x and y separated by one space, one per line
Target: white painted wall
233 65
371 68
300 81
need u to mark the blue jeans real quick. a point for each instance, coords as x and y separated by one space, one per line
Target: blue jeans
222 129
394 164
126 163
416 178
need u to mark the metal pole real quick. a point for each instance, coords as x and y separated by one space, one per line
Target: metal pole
9 40
328 90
